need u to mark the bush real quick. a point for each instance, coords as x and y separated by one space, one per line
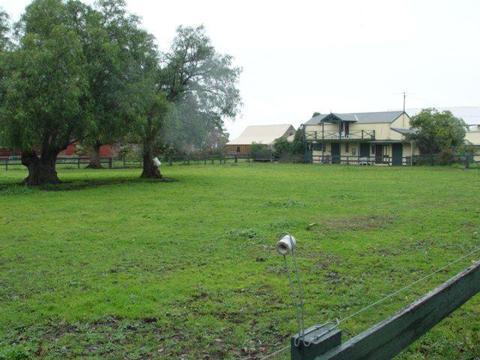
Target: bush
261 152
286 151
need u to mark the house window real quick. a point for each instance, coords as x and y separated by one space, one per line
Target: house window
373 149
347 147
354 150
318 146
238 149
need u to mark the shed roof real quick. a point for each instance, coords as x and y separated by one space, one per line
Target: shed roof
362 118
261 134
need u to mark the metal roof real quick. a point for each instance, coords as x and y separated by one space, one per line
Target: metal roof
361 118
262 134
405 131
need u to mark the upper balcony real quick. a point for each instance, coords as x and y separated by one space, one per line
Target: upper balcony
317 136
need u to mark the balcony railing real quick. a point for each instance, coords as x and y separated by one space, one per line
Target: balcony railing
335 135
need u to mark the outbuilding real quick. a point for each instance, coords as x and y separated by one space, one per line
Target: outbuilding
259 134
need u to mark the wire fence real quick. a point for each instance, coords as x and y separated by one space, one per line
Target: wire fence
473 251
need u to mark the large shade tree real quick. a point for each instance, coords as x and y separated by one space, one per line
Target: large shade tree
46 95
200 83
109 38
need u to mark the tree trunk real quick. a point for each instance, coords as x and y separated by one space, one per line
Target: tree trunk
41 170
95 157
150 171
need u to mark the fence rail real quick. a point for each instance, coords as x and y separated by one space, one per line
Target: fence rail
389 337
7 163
363 160
388 160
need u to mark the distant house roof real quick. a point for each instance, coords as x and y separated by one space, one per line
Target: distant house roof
404 131
362 118
262 134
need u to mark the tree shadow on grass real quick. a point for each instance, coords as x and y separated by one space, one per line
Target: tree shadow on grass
73 185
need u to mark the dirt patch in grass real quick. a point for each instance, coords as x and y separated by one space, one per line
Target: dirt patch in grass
286 204
116 338
354 223
18 188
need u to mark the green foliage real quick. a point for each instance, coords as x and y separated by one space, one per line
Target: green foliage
298 145
118 55
282 148
438 133
290 151
15 353
260 152
46 91
151 121
4 30
203 84
91 74
189 268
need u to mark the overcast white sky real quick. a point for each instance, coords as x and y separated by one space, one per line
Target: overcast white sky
344 55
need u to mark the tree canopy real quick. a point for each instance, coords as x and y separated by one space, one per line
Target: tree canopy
201 86
87 74
438 132
45 106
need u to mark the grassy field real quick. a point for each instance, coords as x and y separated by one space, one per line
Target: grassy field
108 266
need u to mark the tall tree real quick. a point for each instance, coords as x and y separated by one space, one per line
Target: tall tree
438 132
196 79
108 34
45 106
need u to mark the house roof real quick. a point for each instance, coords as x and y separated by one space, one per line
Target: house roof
261 134
404 131
362 118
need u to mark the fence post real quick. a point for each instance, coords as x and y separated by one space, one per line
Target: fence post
6 164
78 162
110 162
390 336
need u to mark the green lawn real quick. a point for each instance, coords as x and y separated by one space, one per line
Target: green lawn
109 266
